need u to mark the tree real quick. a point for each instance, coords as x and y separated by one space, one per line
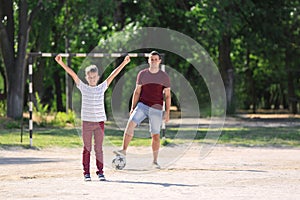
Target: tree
269 40
291 35
46 34
255 44
14 54
218 23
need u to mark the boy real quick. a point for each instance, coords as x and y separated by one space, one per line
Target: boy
92 112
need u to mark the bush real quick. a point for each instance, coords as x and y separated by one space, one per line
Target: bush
2 108
63 118
41 111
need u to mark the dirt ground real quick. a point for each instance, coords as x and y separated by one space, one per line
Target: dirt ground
227 172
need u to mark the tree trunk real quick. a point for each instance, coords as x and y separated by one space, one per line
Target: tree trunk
69 87
14 85
2 73
290 81
16 73
227 72
15 66
291 94
58 92
119 16
38 77
250 87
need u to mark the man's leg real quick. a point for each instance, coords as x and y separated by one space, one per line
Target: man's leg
136 117
155 146
128 135
155 121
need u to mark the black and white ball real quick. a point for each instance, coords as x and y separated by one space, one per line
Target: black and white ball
119 162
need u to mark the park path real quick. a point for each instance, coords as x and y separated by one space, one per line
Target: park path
225 173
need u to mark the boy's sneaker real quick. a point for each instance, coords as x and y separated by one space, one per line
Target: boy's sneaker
101 177
87 177
120 153
156 165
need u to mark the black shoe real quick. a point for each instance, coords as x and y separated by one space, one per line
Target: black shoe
87 177
101 177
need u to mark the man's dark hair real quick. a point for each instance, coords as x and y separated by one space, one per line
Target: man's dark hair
153 53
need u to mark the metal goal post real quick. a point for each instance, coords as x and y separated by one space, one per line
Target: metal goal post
31 55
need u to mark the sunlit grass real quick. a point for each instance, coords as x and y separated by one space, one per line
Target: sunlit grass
41 138
70 137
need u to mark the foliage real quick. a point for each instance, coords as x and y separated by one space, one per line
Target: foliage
43 138
264 43
40 111
12 125
61 119
2 108
252 137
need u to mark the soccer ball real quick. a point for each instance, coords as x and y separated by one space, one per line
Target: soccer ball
119 162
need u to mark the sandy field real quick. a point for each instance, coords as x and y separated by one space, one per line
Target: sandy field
188 172
225 173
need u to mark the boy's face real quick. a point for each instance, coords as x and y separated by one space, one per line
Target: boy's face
92 78
154 61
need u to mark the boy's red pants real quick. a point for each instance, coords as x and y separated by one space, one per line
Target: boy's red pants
88 130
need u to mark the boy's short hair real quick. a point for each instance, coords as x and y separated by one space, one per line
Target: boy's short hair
91 68
153 53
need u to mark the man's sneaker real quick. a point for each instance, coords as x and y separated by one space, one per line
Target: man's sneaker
120 153
101 177
87 177
156 165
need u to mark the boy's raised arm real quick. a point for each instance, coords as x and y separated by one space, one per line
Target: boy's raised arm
111 77
59 60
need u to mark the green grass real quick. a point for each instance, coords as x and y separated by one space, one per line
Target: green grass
282 136
69 137
42 138
261 136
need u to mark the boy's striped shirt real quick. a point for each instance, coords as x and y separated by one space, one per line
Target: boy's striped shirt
92 102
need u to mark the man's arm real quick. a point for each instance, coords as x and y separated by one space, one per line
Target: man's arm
111 77
136 97
167 93
59 60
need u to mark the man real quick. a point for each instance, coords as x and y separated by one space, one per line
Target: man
152 87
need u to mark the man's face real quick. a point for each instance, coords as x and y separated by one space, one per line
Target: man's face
154 61
92 78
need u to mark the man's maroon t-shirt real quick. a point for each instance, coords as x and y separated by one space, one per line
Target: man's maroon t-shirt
153 85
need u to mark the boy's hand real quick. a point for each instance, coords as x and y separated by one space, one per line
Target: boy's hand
58 59
126 60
